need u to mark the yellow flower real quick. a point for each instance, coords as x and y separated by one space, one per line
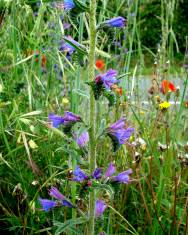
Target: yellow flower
142 112
164 105
65 101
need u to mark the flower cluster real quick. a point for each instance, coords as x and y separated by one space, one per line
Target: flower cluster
68 120
119 133
50 204
60 201
164 106
105 84
107 79
167 86
122 177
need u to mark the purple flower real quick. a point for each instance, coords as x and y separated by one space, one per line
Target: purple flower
79 175
55 119
66 25
100 207
67 203
58 5
97 174
82 140
119 124
110 170
108 79
67 47
67 120
71 117
123 177
118 133
54 192
68 4
122 135
117 22
47 204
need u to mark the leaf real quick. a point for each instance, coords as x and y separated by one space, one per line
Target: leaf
102 53
81 6
104 187
102 127
111 97
81 93
79 48
115 142
25 121
68 224
37 112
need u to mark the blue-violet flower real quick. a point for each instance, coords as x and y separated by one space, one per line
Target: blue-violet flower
118 133
67 120
47 204
82 140
68 4
107 79
110 170
117 22
79 175
97 174
123 177
100 207
54 192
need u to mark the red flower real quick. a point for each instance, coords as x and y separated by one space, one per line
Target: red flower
100 64
43 58
167 86
186 104
43 62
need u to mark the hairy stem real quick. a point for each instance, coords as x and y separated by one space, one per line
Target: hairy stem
92 145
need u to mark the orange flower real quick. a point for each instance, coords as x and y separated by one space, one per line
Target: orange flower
118 90
43 62
100 64
43 58
186 104
167 86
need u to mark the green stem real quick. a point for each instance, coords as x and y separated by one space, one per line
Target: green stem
92 145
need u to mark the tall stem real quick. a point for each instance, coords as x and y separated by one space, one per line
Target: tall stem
92 145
